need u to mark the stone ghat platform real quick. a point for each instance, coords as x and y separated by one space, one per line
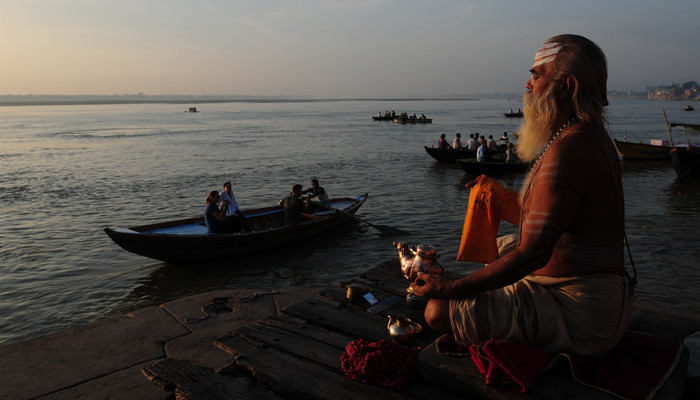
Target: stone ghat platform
275 344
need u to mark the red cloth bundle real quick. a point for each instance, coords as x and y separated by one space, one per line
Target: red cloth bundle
382 363
508 366
635 369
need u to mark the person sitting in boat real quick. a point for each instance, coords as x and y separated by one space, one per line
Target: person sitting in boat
422 116
510 154
491 144
294 207
319 192
471 143
442 143
563 288
232 208
215 217
481 151
504 139
457 142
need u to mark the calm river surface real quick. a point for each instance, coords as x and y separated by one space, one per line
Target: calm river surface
66 172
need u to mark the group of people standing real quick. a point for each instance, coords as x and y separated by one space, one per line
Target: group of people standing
223 215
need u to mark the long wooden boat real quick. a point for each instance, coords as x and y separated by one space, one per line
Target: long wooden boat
452 155
686 162
646 151
401 120
513 114
383 118
187 240
449 155
642 151
495 167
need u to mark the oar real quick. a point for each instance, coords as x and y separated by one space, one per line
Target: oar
387 230
668 128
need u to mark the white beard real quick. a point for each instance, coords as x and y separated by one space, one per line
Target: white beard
537 128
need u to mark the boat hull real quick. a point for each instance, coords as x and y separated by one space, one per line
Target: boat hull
686 162
513 115
470 165
413 120
449 155
642 151
186 241
452 155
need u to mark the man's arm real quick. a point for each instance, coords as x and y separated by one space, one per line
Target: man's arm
552 203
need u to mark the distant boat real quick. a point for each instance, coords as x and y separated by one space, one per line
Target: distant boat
689 108
411 120
513 114
383 118
192 109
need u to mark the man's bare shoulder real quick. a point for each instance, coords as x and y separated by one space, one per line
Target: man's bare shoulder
583 141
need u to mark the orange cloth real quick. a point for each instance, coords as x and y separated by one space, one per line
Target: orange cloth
489 203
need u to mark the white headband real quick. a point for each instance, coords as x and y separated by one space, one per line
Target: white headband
547 53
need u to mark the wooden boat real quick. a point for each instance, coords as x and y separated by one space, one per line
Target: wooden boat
513 114
655 149
452 155
688 108
494 167
642 151
686 162
192 109
383 118
687 127
187 240
406 120
449 155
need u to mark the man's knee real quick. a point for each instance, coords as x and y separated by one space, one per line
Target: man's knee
437 315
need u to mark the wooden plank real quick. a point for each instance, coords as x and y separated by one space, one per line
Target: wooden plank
292 326
192 382
314 345
339 295
388 276
308 348
292 377
359 324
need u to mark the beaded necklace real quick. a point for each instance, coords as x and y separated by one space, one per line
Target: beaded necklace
561 130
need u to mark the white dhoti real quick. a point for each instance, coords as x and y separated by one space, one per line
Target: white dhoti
585 315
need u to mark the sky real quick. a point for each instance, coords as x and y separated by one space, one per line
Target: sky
330 48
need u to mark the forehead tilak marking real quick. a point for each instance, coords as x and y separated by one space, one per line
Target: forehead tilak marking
547 53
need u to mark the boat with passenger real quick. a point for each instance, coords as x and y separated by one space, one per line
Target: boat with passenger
513 114
451 155
187 241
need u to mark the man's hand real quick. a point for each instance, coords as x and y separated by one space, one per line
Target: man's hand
429 285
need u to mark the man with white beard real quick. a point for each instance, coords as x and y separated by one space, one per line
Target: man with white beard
563 288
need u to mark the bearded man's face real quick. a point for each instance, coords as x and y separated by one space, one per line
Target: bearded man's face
540 114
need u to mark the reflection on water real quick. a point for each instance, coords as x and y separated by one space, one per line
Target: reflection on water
69 171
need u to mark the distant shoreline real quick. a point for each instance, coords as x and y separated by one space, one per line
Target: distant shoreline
109 100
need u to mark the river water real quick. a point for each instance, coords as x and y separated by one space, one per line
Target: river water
68 171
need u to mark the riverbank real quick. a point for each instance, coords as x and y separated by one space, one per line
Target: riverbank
192 338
